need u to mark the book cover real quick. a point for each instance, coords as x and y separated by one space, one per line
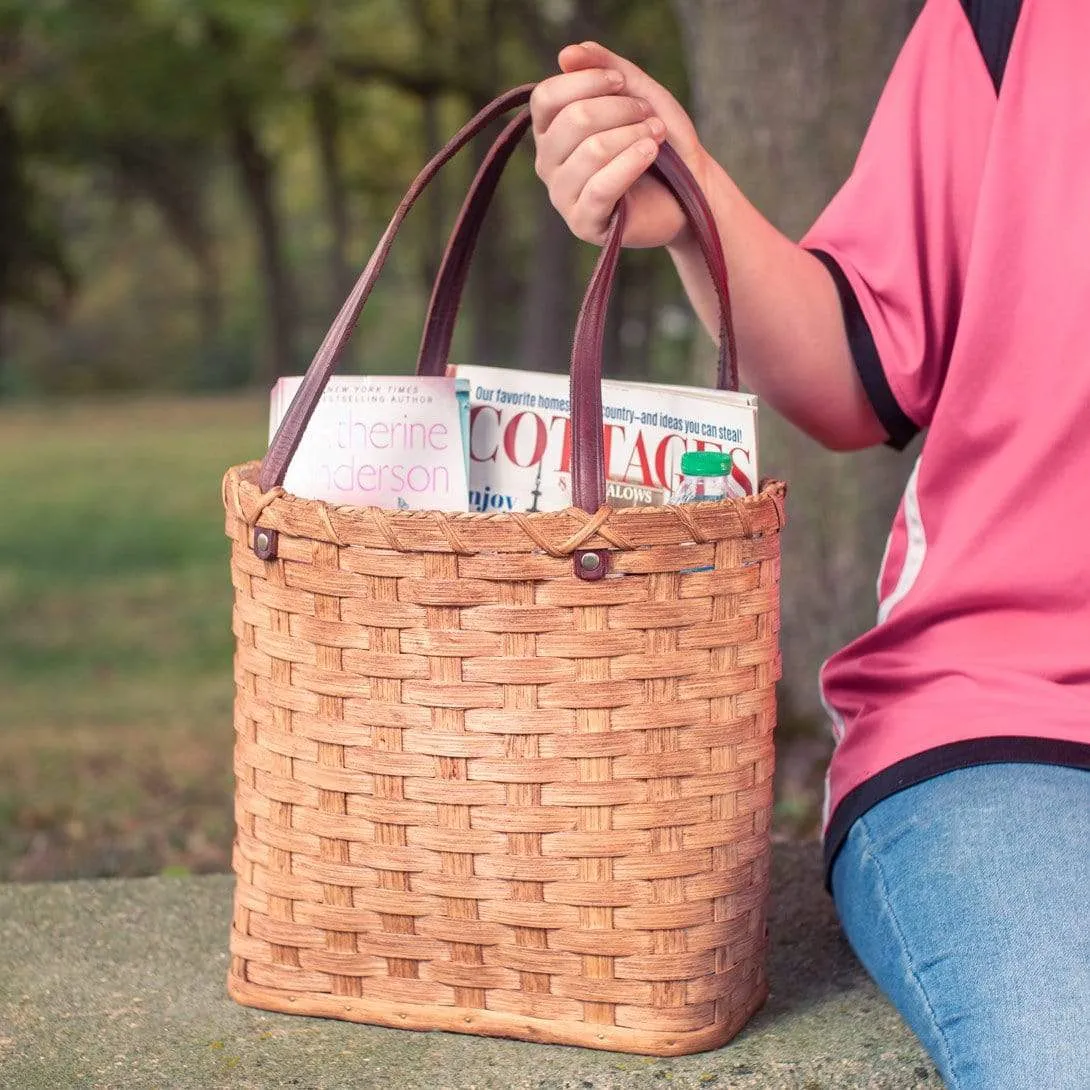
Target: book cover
378 442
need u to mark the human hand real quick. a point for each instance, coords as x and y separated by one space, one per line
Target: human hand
597 127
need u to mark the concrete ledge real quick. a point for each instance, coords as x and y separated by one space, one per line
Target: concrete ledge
113 984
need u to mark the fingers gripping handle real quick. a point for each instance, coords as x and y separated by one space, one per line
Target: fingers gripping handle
454 269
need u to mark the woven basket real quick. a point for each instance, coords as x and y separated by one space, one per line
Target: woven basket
487 789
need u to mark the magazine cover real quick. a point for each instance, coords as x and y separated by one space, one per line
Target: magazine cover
520 438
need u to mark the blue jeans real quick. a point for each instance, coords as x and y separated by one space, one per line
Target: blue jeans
967 898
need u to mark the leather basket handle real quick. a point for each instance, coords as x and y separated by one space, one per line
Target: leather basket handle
289 434
450 282
588 467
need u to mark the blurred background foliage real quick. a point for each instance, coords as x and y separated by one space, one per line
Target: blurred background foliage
187 190
189 186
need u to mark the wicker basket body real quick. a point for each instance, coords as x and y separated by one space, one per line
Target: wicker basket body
476 793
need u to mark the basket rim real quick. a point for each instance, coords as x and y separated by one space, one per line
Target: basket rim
559 533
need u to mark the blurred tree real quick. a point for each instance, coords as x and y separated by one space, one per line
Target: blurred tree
96 88
174 175
244 61
34 271
147 91
494 287
437 61
784 92
295 124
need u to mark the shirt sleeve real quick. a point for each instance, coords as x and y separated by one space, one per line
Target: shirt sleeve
896 238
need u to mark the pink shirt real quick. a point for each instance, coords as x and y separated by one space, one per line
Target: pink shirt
961 247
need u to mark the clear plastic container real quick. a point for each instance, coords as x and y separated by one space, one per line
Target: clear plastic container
706 475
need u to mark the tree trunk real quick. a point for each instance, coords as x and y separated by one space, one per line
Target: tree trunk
552 296
433 200
326 118
209 302
12 212
257 171
433 44
784 91
549 307
494 287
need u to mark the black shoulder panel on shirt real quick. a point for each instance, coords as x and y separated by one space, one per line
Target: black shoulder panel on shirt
993 23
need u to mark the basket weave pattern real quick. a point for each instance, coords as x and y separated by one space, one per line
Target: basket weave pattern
475 793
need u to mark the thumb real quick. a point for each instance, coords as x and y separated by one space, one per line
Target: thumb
679 126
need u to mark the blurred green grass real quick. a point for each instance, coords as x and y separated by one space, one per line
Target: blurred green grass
115 643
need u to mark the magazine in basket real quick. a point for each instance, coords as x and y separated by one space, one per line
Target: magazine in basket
520 438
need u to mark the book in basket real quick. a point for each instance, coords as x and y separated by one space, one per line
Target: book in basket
378 441
520 438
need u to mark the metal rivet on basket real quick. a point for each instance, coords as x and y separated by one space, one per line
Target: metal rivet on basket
265 543
590 565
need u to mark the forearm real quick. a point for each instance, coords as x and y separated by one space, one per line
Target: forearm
792 348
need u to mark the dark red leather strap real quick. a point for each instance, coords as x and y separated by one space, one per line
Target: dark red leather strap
671 169
454 269
588 472
588 452
286 441
446 295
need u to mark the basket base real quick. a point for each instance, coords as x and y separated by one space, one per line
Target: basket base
485 1023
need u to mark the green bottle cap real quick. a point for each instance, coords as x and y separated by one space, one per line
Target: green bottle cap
705 463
